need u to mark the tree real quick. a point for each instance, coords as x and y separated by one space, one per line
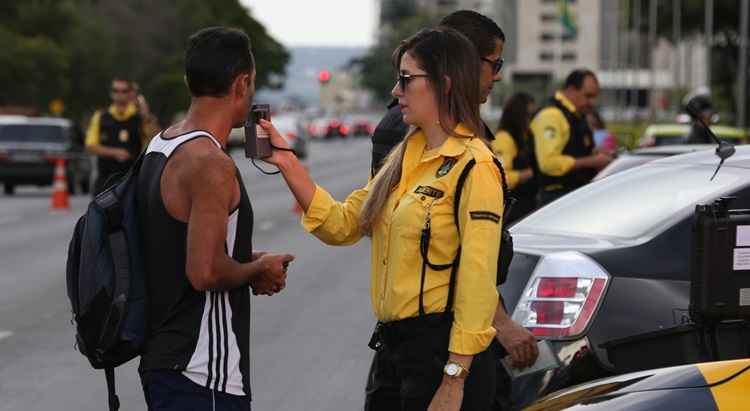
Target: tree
70 49
378 73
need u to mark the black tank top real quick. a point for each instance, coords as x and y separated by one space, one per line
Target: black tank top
204 334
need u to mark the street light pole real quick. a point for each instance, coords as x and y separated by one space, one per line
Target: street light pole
742 81
652 45
709 39
677 38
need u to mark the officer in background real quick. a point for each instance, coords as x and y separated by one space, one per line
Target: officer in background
702 106
115 135
564 143
513 146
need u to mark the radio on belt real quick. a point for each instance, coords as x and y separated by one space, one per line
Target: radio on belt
720 267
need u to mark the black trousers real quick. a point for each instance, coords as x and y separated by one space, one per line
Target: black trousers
408 368
169 390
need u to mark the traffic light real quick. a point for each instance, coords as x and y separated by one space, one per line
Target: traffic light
324 76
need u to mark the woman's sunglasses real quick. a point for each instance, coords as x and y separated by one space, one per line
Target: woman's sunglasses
497 65
403 79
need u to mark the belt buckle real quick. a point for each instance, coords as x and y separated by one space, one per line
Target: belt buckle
376 340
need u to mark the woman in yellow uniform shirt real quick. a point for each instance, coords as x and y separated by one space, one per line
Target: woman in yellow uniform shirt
513 146
434 323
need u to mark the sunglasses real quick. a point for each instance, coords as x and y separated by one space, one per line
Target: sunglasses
497 65
120 90
403 80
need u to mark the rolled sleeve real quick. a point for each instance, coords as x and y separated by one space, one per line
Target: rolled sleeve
92 133
333 222
476 296
551 135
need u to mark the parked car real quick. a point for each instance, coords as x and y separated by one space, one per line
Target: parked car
30 146
668 134
361 127
289 126
612 260
634 158
713 386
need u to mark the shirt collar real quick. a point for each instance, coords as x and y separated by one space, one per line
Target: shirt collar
130 111
452 147
565 102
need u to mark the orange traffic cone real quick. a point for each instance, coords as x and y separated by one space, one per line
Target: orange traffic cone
59 188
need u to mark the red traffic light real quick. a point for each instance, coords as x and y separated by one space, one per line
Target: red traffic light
324 76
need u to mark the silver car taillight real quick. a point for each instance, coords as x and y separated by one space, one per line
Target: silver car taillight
562 295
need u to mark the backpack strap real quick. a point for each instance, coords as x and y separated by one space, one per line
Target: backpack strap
110 204
114 401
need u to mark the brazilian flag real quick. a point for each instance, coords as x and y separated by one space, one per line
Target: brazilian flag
567 19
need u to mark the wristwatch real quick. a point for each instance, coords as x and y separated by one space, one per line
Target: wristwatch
454 369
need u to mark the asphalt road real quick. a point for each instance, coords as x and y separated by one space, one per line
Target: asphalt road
309 343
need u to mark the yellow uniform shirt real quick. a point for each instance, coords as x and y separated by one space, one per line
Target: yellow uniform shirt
428 181
93 132
506 150
551 134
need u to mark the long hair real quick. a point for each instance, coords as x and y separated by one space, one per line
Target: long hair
442 53
516 117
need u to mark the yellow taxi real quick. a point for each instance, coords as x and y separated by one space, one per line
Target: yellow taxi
670 134
712 386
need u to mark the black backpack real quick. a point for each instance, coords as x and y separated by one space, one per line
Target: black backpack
106 280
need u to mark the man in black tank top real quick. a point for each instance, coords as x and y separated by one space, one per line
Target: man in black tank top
196 223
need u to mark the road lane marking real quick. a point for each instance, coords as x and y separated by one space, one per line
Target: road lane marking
5 334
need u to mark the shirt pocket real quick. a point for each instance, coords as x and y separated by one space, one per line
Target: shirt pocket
443 233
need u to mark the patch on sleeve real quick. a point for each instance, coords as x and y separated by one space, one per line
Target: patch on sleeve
429 191
484 215
550 133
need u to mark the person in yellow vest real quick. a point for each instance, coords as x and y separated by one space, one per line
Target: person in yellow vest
115 135
435 312
563 142
514 146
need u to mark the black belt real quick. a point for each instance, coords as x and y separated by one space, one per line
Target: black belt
391 334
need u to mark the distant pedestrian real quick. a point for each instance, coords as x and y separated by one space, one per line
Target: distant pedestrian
563 141
115 135
603 139
514 145
196 223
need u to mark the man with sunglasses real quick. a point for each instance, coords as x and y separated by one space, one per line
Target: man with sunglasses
116 135
564 143
489 39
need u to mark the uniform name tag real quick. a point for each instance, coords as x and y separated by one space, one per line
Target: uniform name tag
429 191
484 215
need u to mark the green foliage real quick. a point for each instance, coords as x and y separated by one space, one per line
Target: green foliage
378 74
70 49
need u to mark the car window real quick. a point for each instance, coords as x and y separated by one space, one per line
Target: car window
634 203
31 133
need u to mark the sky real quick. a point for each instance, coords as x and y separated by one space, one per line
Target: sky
348 23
